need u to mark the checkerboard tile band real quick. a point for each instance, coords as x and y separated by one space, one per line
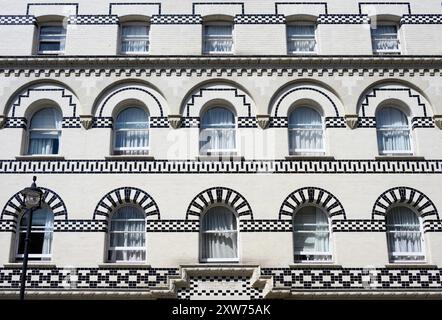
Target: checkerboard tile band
15 122
432 226
8 225
177 19
17 20
265 225
172 226
335 122
93 19
71 122
422 19
278 122
247 122
80 226
259 19
366 122
343 19
358 226
159 122
190 122
102 122
422 122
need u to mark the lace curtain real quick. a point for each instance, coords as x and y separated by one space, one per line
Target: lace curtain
217 131
134 39
132 132
218 39
305 131
385 39
301 38
45 132
393 131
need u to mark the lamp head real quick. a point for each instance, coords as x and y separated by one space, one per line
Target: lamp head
32 195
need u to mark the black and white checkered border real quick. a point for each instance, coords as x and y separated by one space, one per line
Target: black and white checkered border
221 196
266 225
300 278
432 226
408 196
358 225
88 278
15 205
71 122
159 122
224 288
126 195
102 122
172 226
220 167
247 122
343 19
8 225
314 196
278 122
259 19
80 226
176 19
334 122
366 122
422 19
422 122
18 20
190 122
93 19
16 123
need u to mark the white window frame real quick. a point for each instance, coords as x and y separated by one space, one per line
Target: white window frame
62 42
204 38
201 232
114 249
391 254
122 38
115 150
29 131
309 253
302 23
387 52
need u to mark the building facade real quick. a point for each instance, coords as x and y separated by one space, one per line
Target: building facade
210 150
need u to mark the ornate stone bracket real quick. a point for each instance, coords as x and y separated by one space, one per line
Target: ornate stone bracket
438 121
2 121
351 120
86 121
263 120
174 120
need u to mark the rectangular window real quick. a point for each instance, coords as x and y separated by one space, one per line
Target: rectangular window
51 40
385 40
134 39
218 39
301 39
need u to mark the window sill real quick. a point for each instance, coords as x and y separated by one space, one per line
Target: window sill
220 157
399 157
31 264
315 265
307 157
124 265
39 157
129 157
410 265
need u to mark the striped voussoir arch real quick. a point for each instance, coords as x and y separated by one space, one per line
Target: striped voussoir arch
126 195
15 205
219 195
312 195
405 195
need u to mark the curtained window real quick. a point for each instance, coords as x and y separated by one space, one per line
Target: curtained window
218 39
127 235
301 38
219 235
52 39
41 235
132 132
393 131
311 235
404 235
218 131
134 39
45 132
306 133
385 40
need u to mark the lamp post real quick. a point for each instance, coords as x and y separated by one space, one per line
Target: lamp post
32 200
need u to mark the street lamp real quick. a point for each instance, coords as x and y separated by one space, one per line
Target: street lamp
32 200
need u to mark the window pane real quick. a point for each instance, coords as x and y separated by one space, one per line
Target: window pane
48 118
52 38
50 46
301 38
218 39
135 39
306 131
393 131
217 130
385 39
132 118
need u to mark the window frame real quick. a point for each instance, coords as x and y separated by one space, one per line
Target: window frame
27 144
398 40
315 37
134 23
218 23
62 42
201 232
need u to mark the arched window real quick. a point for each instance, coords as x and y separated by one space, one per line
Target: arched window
393 131
134 38
219 235
218 38
45 132
218 131
40 244
306 132
132 132
127 235
404 235
311 235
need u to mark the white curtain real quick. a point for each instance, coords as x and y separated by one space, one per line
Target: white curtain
219 234
132 132
218 38
45 132
393 131
385 38
404 234
217 131
135 38
305 131
127 235
301 38
311 234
